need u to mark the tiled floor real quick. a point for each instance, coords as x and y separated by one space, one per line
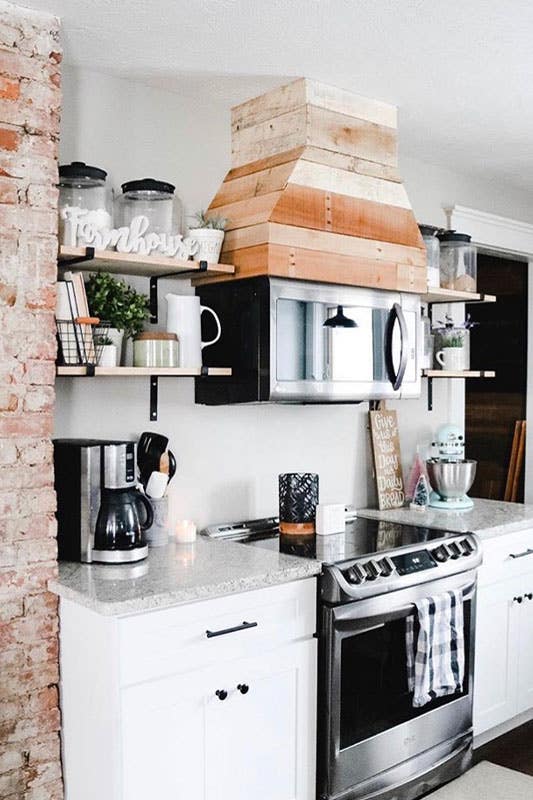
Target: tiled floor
513 750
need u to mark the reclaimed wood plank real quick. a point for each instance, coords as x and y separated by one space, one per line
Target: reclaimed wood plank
251 211
356 137
302 264
323 241
313 208
272 179
352 184
281 133
304 91
318 127
319 156
351 163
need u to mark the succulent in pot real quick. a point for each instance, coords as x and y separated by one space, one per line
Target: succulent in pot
122 308
106 351
208 233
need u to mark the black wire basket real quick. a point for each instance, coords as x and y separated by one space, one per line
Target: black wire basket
80 341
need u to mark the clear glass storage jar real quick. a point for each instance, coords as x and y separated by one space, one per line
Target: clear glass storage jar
155 349
458 262
433 253
155 200
83 197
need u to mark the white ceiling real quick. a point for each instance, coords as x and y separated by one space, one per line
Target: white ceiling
461 71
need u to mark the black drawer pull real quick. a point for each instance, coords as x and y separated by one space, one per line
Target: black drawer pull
529 595
527 552
243 688
243 627
517 599
221 694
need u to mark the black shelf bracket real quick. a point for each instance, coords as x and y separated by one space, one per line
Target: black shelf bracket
430 394
154 391
87 256
154 281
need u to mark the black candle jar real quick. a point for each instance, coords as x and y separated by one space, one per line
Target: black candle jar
298 499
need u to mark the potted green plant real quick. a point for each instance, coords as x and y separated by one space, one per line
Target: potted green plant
118 304
451 355
209 235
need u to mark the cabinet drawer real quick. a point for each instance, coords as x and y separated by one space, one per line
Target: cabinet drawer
175 640
506 556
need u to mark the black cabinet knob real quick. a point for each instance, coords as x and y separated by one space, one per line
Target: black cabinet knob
243 688
221 694
529 596
517 599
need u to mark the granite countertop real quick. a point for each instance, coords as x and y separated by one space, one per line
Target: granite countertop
177 574
487 518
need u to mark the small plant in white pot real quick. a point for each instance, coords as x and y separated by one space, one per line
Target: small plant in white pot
117 304
209 234
107 351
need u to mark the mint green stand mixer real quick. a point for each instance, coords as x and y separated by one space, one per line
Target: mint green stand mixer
450 474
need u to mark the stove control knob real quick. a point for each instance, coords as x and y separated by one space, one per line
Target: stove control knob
386 566
440 554
467 547
455 550
355 574
372 570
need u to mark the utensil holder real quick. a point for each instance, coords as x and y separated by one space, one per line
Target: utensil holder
157 533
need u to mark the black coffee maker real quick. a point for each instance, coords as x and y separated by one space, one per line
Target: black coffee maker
101 515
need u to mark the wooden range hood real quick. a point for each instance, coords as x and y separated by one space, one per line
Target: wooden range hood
314 192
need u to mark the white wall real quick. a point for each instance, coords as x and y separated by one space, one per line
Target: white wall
229 457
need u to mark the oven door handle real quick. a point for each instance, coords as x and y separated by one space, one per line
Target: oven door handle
396 314
361 620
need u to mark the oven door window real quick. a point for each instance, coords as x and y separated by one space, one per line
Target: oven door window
374 696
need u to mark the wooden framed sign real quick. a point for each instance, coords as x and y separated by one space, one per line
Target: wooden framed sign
387 459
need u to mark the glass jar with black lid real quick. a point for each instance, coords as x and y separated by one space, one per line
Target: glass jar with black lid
83 197
458 261
153 199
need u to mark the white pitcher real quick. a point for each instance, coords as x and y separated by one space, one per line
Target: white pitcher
183 319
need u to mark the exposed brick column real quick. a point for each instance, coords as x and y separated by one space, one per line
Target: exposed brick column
29 131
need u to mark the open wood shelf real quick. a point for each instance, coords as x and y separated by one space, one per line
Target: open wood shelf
470 373
136 372
132 264
454 296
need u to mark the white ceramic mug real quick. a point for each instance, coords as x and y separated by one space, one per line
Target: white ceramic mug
183 319
451 358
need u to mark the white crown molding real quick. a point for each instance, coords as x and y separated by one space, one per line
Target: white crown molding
492 231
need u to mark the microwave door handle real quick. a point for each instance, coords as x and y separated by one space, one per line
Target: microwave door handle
396 378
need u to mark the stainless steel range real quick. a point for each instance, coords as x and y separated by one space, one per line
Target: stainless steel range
372 742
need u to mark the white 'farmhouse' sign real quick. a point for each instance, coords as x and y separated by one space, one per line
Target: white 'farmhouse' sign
83 227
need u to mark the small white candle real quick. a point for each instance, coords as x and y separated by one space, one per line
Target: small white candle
185 531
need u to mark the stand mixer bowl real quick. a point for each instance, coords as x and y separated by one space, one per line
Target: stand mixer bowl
452 480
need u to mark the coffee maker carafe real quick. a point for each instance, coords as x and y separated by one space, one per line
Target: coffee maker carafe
101 515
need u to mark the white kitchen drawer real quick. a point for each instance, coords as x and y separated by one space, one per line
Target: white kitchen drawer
174 640
498 561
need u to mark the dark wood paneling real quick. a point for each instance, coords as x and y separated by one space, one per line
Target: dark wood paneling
500 343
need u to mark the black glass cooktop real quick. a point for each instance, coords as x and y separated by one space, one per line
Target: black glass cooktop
362 537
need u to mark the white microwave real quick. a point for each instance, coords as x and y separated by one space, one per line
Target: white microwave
293 341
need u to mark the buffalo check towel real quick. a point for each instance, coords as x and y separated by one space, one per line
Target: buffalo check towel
436 660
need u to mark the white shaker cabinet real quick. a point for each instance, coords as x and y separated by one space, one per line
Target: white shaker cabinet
503 687
252 740
180 714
